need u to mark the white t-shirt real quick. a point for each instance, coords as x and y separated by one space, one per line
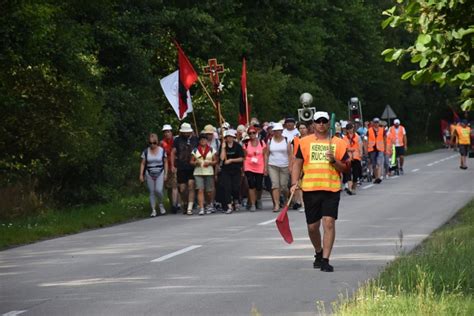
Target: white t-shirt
278 153
290 134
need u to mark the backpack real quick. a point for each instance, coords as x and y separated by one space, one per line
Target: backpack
162 167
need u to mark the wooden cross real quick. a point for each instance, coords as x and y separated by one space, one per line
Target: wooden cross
213 69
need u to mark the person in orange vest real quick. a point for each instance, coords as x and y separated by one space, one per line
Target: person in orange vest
398 134
321 159
354 149
376 148
463 136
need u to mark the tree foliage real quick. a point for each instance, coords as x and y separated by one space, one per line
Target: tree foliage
443 49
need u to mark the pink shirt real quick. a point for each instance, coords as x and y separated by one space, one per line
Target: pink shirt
254 161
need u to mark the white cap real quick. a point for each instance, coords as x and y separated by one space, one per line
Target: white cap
230 132
397 121
241 128
277 127
185 128
357 120
225 125
343 124
321 114
166 127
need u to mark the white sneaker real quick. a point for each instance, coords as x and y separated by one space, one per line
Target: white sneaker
229 211
153 213
162 209
201 212
301 210
189 212
252 208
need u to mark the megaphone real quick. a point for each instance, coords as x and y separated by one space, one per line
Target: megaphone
306 114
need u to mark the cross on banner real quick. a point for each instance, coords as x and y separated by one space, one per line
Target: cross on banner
213 69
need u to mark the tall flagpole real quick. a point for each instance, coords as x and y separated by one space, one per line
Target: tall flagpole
247 114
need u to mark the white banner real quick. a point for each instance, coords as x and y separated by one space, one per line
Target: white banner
170 86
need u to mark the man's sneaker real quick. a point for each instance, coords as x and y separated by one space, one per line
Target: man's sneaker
401 171
201 212
237 207
296 206
189 212
258 205
348 191
325 266
252 208
210 209
162 209
229 211
318 257
378 181
153 213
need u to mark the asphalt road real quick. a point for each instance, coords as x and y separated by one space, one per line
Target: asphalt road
232 264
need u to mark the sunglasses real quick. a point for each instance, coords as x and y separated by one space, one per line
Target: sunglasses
252 133
153 143
321 121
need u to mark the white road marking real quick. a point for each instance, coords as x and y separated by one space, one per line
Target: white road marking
415 170
430 164
13 313
394 177
176 253
266 222
368 186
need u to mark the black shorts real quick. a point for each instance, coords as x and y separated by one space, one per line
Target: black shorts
355 173
320 203
399 151
463 149
183 176
254 180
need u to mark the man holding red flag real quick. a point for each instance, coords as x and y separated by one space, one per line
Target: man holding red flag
322 160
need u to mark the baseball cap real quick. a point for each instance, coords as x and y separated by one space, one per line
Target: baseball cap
320 114
357 120
166 127
376 120
397 121
290 120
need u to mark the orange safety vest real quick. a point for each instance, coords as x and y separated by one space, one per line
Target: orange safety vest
464 135
319 173
296 143
394 135
375 141
353 143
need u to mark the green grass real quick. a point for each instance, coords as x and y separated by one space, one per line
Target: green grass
437 278
53 223
423 147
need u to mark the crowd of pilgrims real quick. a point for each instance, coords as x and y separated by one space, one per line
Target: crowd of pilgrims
226 170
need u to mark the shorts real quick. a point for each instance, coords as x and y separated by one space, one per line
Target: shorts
279 176
376 158
463 149
171 181
183 176
355 172
205 183
399 151
254 180
320 203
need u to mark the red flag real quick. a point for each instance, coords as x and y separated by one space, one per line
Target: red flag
283 225
187 76
244 105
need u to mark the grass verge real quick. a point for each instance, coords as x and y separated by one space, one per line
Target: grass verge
54 223
437 278
424 147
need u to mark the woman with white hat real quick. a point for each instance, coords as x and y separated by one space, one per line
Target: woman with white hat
279 152
154 169
171 183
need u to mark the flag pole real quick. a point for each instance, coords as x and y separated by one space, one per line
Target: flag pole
212 101
247 107
195 124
